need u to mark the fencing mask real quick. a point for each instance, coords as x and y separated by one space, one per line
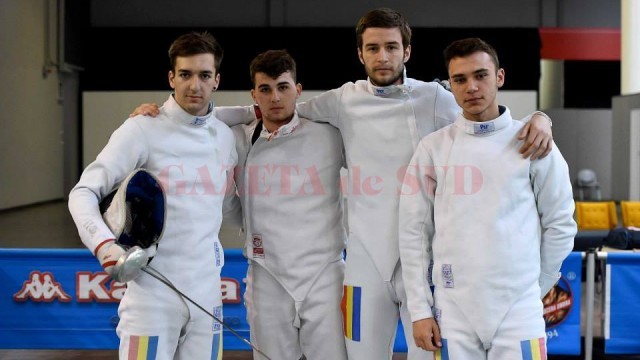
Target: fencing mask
135 212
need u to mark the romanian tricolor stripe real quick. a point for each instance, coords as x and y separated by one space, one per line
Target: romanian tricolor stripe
142 347
351 302
534 349
216 350
443 352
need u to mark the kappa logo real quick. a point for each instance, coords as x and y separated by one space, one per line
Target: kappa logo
41 287
97 287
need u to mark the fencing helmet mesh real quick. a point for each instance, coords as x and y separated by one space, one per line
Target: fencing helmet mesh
135 211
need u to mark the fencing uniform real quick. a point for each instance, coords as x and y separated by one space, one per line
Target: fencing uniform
192 157
288 182
494 227
380 127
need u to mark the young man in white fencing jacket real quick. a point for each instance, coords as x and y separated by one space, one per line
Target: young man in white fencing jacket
381 120
487 227
192 153
288 181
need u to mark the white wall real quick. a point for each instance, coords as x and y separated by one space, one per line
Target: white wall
31 159
520 103
99 123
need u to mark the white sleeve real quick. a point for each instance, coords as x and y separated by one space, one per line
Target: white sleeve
416 230
235 115
447 109
554 199
125 151
232 210
231 205
528 118
322 108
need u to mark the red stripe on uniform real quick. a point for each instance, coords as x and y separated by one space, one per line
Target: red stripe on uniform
109 263
134 343
543 349
343 306
100 245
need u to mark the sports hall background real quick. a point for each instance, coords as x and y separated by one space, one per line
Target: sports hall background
55 51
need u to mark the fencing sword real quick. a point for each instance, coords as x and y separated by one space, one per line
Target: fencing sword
156 274
135 258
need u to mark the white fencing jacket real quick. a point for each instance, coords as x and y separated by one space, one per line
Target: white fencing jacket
289 185
192 157
397 117
491 223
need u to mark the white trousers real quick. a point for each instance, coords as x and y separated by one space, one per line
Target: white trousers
286 329
372 308
521 335
160 325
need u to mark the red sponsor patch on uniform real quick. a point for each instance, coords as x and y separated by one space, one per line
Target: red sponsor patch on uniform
258 250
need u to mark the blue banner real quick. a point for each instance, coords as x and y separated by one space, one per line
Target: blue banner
622 304
62 299
562 309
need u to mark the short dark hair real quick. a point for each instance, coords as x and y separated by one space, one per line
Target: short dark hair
195 43
273 63
383 18
468 46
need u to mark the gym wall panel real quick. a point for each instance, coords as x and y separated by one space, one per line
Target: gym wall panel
584 138
98 124
30 110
